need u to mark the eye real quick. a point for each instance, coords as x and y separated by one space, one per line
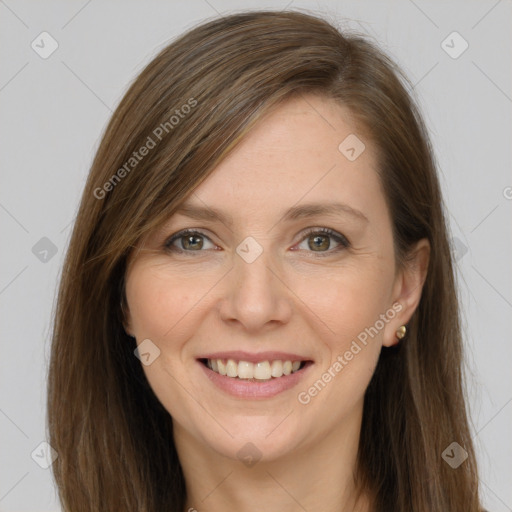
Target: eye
188 240
318 240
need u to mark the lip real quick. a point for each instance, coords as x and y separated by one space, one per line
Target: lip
253 390
240 355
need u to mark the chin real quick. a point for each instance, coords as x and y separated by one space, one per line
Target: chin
248 436
254 440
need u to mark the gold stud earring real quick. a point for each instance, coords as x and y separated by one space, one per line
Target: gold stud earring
401 331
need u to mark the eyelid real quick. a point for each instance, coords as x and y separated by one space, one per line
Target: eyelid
338 237
168 244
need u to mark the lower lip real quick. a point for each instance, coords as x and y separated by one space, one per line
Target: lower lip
253 389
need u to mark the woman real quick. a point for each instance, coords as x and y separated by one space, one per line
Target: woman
258 305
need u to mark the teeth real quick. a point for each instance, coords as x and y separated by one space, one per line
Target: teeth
264 370
245 370
231 368
276 369
221 367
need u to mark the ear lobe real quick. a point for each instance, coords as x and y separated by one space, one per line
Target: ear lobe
408 289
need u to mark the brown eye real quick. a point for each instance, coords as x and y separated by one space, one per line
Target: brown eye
188 241
320 241
191 242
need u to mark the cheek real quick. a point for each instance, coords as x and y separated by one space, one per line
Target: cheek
349 300
161 308
160 301
354 303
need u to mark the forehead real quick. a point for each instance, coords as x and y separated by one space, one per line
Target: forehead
306 150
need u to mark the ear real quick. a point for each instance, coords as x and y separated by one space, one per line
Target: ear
407 289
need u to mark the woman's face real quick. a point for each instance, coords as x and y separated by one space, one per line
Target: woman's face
264 289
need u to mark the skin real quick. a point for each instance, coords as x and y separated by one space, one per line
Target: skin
307 300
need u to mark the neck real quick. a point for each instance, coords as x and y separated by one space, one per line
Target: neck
318 477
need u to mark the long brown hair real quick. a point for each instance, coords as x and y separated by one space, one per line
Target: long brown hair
189 107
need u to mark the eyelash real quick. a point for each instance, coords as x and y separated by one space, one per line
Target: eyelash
344 243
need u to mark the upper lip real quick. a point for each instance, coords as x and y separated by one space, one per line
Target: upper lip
240 355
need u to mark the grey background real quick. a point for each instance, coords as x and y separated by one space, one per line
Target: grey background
54 111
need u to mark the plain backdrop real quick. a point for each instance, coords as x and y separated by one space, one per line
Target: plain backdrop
54 111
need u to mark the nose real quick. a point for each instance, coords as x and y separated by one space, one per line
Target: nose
256 296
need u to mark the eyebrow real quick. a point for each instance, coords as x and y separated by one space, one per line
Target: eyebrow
294 213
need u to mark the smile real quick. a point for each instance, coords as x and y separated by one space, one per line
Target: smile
246 370
253 376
